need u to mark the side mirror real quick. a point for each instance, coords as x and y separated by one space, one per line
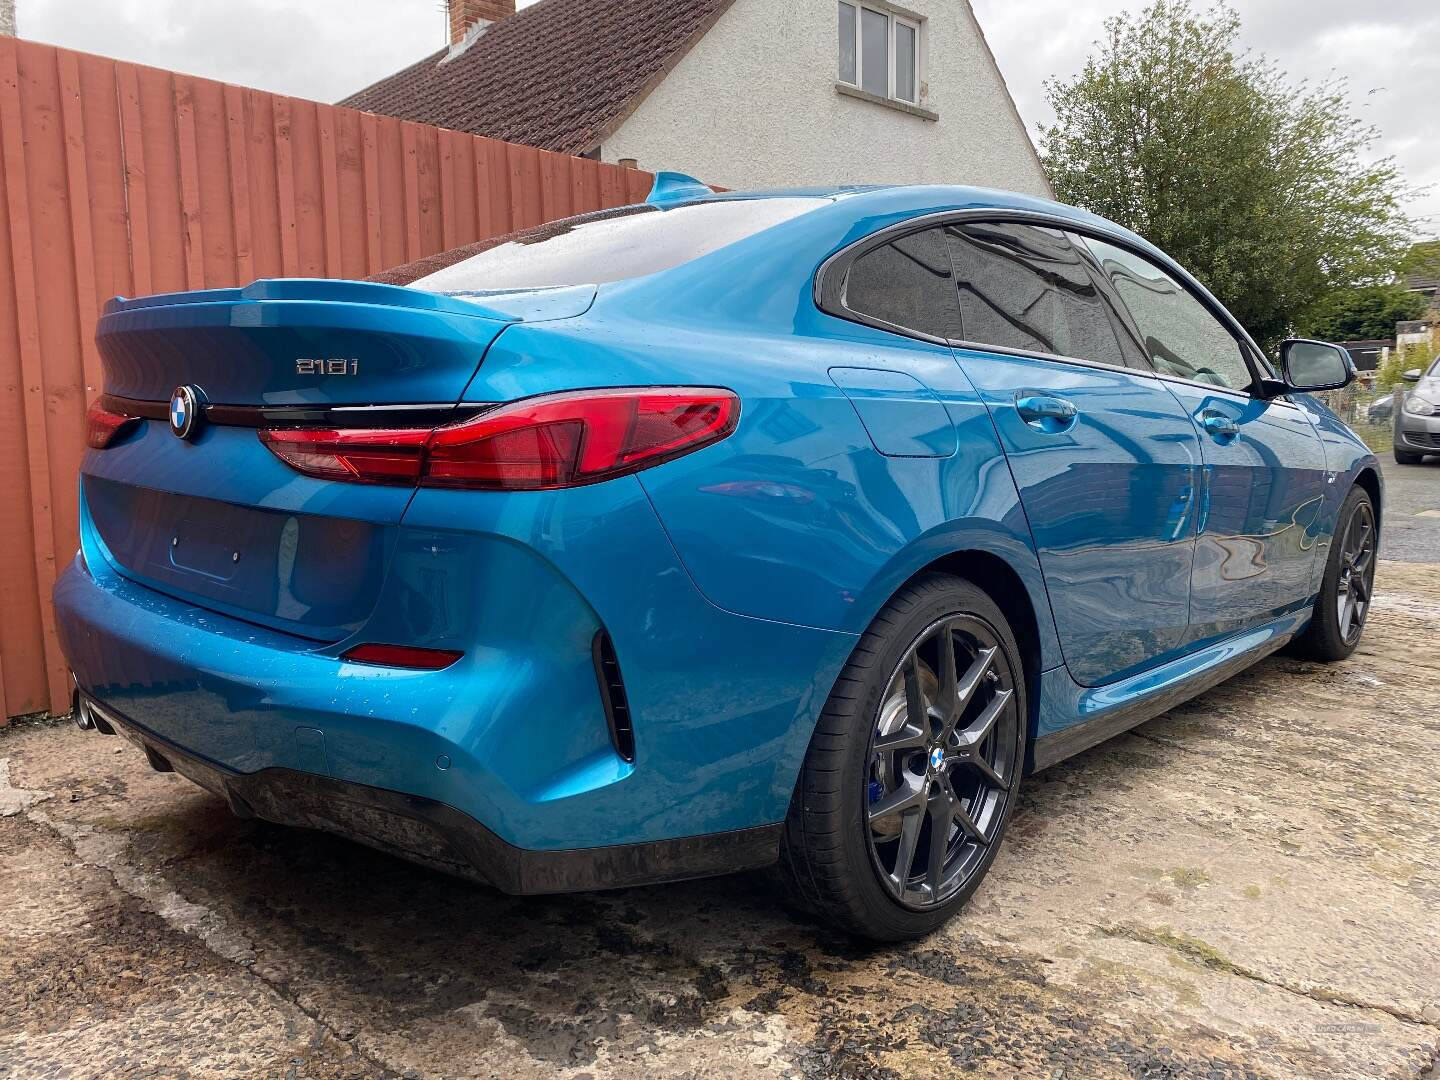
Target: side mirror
1413 375
1315 365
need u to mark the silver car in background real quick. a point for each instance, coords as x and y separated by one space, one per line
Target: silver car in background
1417 417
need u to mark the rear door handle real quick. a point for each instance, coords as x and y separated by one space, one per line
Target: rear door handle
1218 424
1034 408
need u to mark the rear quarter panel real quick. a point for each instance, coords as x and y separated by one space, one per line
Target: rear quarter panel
796 517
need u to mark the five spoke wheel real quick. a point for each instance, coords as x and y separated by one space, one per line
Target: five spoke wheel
942 761
1357 572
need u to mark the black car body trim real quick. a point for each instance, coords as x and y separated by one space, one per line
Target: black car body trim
329 416
435 834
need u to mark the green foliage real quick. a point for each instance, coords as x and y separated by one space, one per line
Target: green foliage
1256 185
1387 373
1423 259
1418 355
1364 314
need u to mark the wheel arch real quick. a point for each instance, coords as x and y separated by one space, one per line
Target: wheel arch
1000 581
1369 479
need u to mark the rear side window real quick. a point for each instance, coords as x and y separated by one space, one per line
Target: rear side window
1180 335
906 283
1027 288
611 245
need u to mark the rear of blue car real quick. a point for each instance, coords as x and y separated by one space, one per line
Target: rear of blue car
330 574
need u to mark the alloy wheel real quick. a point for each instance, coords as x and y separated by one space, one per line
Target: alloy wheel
1357 572
942 761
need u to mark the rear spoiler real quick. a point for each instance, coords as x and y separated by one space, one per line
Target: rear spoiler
322 290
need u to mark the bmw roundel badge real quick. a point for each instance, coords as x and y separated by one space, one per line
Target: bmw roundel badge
184 411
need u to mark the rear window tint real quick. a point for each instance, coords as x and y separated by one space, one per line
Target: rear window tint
906 283
611 245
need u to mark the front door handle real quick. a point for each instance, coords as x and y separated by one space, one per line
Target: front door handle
1036 408
1218 424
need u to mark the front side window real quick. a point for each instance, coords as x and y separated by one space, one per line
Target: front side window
1027 288
1181 336
905 283
610 245
879 52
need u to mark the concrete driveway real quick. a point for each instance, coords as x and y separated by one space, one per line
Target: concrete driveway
1246 887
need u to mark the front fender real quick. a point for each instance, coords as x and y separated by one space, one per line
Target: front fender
1346 459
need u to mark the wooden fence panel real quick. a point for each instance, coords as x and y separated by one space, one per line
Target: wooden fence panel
128 180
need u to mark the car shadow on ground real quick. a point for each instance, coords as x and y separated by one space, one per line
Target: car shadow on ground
387 946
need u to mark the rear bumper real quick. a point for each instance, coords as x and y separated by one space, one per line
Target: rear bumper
514 737
437 835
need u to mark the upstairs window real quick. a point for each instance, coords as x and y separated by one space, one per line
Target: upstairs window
880 52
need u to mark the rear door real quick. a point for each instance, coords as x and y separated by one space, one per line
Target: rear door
1105 458
1264 478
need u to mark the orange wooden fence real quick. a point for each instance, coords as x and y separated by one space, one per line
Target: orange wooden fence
124 180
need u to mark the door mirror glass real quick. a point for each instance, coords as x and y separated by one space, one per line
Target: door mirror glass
1413 375
1315 365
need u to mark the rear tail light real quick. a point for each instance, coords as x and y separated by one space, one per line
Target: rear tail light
541 443
103 426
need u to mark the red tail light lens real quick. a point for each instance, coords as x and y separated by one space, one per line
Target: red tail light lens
102 426
404 656
541 443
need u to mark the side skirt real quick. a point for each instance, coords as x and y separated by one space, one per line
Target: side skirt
1074 717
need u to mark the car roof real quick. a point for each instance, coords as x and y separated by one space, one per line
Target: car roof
904 200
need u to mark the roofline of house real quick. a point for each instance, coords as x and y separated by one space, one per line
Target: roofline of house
1010 99
597 138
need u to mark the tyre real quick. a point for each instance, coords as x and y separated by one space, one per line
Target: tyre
1344 600
914 768
1402 458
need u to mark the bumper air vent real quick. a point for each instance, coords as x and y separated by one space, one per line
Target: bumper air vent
612 693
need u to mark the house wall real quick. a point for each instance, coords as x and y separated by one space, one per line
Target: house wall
755 104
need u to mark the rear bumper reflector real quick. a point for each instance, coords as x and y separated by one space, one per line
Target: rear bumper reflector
402 656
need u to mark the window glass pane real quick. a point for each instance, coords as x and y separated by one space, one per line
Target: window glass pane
610 245
906 62
847 43
1027 288
875 52
1180 335
906 283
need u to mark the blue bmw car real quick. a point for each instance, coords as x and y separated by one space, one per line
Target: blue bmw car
701 535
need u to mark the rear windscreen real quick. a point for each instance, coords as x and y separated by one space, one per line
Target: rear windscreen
610 245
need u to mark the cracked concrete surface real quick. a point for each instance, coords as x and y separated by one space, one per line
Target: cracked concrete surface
1248 886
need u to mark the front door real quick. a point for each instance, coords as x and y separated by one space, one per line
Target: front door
1264 476
1105 458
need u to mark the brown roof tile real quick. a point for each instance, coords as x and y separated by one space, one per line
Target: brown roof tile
560 75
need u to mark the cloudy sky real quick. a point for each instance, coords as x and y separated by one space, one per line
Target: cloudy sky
325 49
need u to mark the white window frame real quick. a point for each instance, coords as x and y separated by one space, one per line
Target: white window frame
892 18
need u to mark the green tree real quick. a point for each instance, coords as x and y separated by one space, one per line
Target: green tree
1367 313
1258 186
1422 259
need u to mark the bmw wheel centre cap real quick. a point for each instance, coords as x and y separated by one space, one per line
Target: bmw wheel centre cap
184 411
